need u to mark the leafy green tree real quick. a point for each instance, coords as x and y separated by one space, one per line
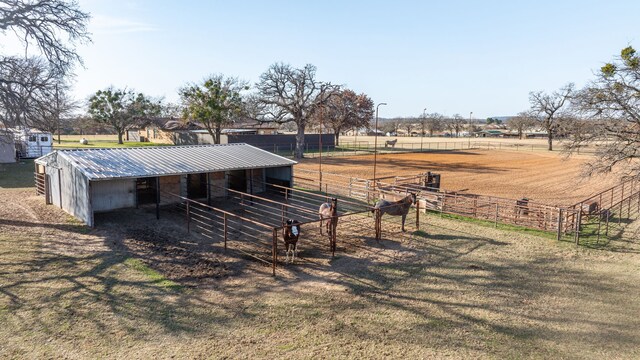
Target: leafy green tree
121 109
213 104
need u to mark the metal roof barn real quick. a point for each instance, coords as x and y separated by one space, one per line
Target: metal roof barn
85 181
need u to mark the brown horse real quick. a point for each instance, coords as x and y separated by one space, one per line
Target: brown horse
391 142
395 208
329 211
290 234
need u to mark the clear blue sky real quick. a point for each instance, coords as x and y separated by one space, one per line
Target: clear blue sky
448 56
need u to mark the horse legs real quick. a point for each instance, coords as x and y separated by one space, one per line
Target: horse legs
404 217
286 260
321 223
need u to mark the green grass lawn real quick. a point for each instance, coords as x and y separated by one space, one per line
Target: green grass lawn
18 175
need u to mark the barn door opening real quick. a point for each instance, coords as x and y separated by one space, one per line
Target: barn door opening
238 180
146 191
197 186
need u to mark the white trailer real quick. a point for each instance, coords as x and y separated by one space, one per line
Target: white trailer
33 144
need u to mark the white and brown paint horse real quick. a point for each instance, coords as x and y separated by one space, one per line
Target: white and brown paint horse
329 211
291 234
394 208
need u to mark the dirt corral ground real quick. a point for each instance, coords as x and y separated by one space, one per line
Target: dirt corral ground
136 287
542 177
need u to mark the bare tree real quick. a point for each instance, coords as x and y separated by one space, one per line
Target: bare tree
408 125
611 107
344 111
454 124
432 123
287 94
548 108
54 28
521 122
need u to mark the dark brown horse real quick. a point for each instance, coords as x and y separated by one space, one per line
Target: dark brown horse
395 208
290 234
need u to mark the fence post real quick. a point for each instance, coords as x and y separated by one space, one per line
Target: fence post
225 230
418 214
275 250
497 209
606 232
578 223
559 224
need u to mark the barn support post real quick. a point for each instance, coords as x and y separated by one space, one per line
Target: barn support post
224 220
208 190
188 217
157 197
559 235
275 250
251 185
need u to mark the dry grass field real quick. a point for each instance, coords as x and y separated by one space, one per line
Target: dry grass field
452 290
543 177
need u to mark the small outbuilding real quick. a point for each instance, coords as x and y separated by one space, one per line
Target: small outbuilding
87 181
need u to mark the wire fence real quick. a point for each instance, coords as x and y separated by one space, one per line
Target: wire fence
605 216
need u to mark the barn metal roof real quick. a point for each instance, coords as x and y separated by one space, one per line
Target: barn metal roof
103 164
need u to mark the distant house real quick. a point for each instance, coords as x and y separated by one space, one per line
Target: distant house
170 130
490 133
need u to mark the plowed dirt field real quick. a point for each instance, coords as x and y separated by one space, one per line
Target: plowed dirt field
542 177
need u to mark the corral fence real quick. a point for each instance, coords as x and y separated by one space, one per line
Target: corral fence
605 215
349 148
253 224
561 220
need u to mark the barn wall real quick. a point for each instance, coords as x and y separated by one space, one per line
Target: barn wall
283 173
54 185
7 149
170 184
258 180
74 191
217 184
113 194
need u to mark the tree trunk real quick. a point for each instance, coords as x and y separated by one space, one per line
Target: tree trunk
550 139
216 138
299 153
337 137
120 133
520 134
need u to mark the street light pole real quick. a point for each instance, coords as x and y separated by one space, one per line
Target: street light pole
424 116
469 130
375 147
